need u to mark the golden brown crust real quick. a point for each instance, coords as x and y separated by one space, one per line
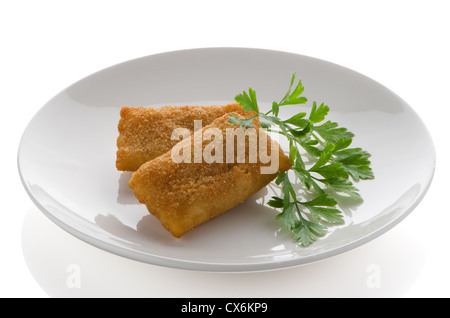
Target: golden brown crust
184 195
145 133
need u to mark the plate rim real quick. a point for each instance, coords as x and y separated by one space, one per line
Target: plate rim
212 266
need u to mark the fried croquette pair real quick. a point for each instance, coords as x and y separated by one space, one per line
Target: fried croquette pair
183 195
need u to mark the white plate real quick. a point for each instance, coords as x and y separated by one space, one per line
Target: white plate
66 157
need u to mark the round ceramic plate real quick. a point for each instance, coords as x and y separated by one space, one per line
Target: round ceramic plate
67 158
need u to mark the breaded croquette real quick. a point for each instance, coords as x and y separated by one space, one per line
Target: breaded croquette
145 132
184 195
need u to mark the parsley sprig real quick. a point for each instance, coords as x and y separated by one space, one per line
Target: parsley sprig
322 161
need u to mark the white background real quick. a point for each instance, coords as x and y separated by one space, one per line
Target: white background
48 45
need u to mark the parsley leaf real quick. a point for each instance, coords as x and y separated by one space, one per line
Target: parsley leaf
330 132
318 114
248 101
244 122
293 98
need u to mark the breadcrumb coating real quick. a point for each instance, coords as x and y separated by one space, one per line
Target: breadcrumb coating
185 195
145 132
